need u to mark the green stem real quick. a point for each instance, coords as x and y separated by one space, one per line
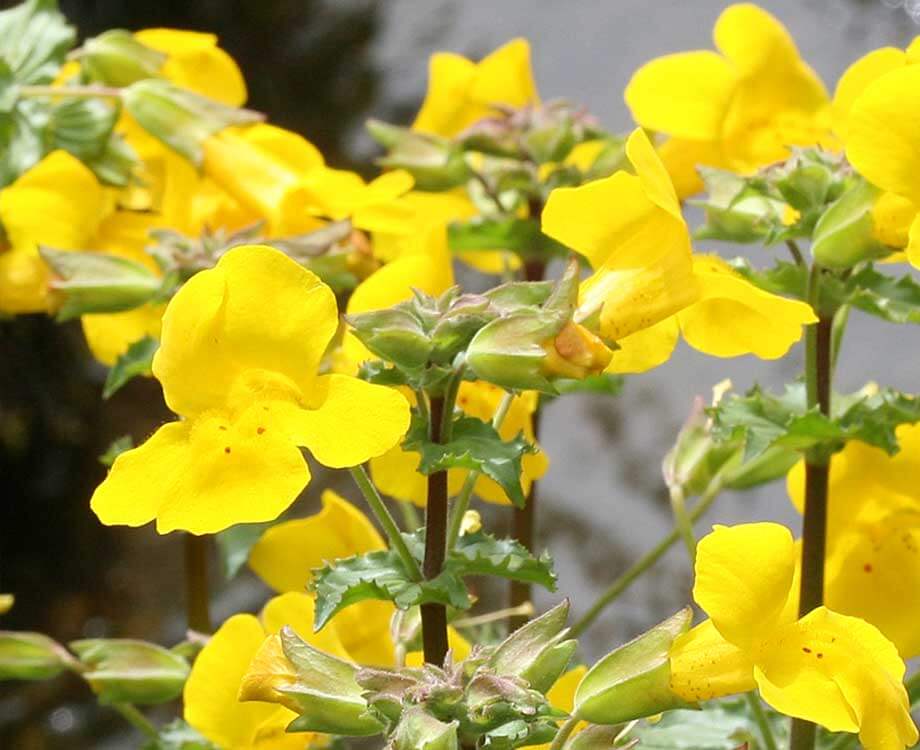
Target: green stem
197 597
818 374
682 522
839 327
76 92
383 516
795 252
462 503
565 731
646 561
760 716
912 685
410 516
134 717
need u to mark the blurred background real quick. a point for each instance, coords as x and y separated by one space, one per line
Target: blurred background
321 67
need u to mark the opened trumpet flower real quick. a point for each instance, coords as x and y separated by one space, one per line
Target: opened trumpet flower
239 362
740 108
835 670
648 286
461 92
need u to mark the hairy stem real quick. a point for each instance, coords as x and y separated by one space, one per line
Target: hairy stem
682 521
383 516
651 557
565 731
197 598
819 345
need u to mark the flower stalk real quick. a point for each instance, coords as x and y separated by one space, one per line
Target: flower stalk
196 583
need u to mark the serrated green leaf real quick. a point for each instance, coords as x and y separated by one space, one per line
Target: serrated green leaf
506 233
118 446
894 299
136 361
34 40
483 554
787 279
474 445
722 725
177 735
764 420
380 575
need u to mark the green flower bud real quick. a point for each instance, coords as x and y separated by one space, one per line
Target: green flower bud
537 651
117 58
129 671
394 334
32 656
634 680
736 211
181 119
774 463
845 233
419 730
433 162
99 283
325 691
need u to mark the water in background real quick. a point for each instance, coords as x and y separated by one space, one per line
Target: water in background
321 67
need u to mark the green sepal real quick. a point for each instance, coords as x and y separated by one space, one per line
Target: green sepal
131 671
178 735
330 699
419 730
845 233
99 283
474 445
117 58
32 656
118 446
434 162
137 361
633 681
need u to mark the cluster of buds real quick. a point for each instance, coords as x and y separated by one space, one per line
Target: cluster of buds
519 335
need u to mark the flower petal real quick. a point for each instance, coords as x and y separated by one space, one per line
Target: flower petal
364 630
286 554
210 696
884 132
505 77
204 475
257 312
858 76
296 610
704 665
645 349
734 317
744 577
374 417
450 77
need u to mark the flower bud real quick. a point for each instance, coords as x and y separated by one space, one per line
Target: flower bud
845 234
737 211
117 58
434 163
181 119
129 671
98 283
595 737
633 681
537 651
322 688
32 656
393 334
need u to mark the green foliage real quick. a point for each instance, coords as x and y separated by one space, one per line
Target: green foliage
136 361
118 446
178 735
234 544
896 300
483 554
474 445
764 420
34 39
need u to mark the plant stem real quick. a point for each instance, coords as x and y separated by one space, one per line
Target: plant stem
565 731
524 520
766 733
682 521
646 561
462 502
383 516
78 92
434 616
134 717
197 599
818 372
410 516
795 252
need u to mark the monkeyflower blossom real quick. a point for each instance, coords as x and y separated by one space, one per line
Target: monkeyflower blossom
835 670
239 362
740 108
648 287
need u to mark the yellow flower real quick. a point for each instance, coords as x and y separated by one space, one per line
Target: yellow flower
832 669
239 360
195 62
883 144
647 286
872 569
461 92
211 694
740 108
396 472
6 603
57 203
